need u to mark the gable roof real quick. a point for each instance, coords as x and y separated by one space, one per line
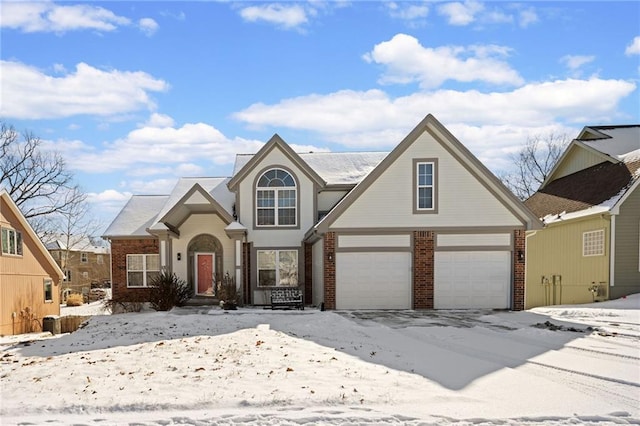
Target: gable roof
4 195
457 150
136 216
602 185
73 243
335 168
276 142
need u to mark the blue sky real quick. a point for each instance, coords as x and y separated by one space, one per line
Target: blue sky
138 94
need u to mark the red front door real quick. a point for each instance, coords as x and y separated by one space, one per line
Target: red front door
204 273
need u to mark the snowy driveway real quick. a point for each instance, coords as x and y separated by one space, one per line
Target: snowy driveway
556 366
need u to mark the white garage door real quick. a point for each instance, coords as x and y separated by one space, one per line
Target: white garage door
373 280
472 279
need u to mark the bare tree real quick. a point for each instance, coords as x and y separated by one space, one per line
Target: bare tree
533 164
37 180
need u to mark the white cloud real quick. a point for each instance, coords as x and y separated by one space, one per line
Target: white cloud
159 120
573 62
408 11
372 118
286 16
107 196
49 17
148 26
634 47
527 17
406 61
461 13
28 93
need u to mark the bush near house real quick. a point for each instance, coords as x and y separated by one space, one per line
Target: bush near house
167 291
75 299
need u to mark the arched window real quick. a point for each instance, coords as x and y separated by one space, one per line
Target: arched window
276 199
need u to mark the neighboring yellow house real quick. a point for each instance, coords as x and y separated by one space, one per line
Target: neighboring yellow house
29 277
589 249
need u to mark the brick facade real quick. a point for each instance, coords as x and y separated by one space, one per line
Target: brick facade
308 273
423 267
119 251
518 269
329 270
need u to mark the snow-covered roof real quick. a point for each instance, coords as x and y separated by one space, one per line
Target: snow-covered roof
136 216
619 142
215 186
77 243
335 168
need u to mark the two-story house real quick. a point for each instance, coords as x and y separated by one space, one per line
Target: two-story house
424 226
29 277
84 261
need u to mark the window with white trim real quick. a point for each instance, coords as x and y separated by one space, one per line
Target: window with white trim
277 268
99 259
142 269
425 185
48 290
593 243
276 199
67 276
84 257
11 241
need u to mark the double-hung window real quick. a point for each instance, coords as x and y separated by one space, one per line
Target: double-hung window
425 199
142 269
277 268
276 199
48 290
11 241
84 257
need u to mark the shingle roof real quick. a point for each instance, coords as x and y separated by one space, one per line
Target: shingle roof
215 186
587 188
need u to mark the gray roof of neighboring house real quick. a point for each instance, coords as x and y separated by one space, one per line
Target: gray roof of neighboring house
336 168
136 216
618 142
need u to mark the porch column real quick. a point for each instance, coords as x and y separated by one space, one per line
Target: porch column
237 232
238 257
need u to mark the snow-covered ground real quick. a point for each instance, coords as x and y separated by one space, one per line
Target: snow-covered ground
560 365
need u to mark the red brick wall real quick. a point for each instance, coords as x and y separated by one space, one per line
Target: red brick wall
119 251
330 270
518 269
308 273
423 266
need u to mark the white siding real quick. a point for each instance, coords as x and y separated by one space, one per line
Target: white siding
462 200
203 224
345 241
280 237
466 240
318 273
328 199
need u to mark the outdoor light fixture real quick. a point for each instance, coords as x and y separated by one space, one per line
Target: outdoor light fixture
520 255
330 256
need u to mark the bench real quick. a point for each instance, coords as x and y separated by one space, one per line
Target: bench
287 298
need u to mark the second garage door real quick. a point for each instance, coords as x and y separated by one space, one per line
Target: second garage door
373 280
472 279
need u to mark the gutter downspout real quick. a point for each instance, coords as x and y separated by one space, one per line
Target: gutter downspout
612 251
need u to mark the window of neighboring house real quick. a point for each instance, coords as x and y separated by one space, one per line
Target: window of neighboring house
85 275
48 290
142 269
593 243
67 276
277 268
425 185
84 257
11 241
99 259
276 199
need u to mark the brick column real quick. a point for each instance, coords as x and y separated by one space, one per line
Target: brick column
518 269
329 251
423 245
308 273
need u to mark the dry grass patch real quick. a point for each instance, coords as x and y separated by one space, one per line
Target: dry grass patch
75 300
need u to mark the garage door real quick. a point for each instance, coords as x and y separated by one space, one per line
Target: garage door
472 279
373 280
